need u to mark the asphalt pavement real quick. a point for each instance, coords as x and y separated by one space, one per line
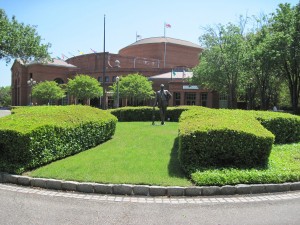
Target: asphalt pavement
25 205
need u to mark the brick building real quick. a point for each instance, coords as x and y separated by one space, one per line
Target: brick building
154 58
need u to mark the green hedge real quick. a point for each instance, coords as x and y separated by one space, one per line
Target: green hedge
220 138
285 127
33 136
128 114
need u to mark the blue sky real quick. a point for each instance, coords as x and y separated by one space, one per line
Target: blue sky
72 25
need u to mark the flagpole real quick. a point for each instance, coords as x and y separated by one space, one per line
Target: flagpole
104 70
165 52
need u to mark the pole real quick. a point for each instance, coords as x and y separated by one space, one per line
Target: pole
118 93
165 52
104 70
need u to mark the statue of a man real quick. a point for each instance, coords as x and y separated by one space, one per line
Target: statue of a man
162 100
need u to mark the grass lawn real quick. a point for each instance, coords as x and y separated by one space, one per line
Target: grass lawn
139 153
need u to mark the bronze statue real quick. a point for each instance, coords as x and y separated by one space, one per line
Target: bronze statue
162 100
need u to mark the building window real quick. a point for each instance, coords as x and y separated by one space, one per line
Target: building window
204 99
191 98
223 100
100 79
176 98
106 78
59 81
113 78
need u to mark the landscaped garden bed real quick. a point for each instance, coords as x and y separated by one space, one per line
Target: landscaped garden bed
140 153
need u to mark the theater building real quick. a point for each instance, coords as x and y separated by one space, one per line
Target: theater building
160 59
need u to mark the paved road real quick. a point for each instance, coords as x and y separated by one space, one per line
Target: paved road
22 205
4 112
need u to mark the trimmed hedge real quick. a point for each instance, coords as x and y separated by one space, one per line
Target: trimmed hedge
221 138
285 127
33 136
129 114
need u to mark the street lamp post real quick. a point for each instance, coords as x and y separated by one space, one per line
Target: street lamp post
250 94
30 83
118 93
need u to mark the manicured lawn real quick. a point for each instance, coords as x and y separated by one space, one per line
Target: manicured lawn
139 153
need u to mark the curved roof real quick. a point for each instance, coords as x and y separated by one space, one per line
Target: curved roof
53 62
163 40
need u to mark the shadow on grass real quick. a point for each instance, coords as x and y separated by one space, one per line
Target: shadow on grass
174 164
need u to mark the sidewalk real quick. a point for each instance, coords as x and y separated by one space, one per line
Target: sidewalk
4 112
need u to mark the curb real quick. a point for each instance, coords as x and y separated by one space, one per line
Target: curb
147 190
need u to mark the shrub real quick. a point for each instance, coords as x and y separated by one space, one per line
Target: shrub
209 138
33 136
284 126
128 114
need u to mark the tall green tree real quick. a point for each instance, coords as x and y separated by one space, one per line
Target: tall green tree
48 90
84 87
261 66
18 40
285 25
221 62
135 87
5 96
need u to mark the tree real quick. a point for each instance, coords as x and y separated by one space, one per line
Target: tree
260 65
48 90
18 40
135 87
84 87
5 96
221 62
285 28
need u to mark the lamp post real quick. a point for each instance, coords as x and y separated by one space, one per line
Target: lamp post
30 83
250 94
118 93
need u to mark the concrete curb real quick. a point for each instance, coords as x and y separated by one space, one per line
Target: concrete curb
147 190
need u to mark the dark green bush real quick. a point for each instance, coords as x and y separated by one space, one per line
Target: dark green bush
222 138
128 114
284 126
33 136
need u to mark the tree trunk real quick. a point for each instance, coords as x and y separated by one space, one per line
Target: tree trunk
294 97
232 96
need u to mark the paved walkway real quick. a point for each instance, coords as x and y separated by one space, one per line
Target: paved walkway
4 112
160 199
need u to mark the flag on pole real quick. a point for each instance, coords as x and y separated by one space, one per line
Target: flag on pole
71 54
64 56
80 52
93 51
138 37
166 25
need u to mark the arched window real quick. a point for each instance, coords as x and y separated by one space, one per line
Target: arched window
59 81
